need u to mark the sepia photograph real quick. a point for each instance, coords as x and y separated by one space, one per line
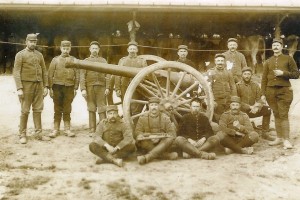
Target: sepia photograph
149 100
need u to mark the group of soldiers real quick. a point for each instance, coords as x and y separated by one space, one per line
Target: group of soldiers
237 99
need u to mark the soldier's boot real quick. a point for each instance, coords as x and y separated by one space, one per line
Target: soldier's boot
117 161
67 127
37 120
158 150
249 140
22 128
92 123
169 156
286 134
187 147
55 130
210 143
279 133
229 143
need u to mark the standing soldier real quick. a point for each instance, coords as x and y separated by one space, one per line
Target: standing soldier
251 103
235 60
113 139
31 80
222 84
94 87
63 83
276 89
182 53
121 83
155 134
236 129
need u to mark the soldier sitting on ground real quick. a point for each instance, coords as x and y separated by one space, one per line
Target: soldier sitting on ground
155 134
237 133
251 103
195 130
113 139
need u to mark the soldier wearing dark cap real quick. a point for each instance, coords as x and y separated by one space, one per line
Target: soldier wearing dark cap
276 89
235 60
94 87
32 86
155 134
222 84
194 130
182 53
113 139
236 131
63 83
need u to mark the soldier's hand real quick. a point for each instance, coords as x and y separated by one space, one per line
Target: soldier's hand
237 124
254 109
51 93
239 134
20 94
263 98
155 141
83 93
139 137
278 72
45 92
109 148
107 91
118 93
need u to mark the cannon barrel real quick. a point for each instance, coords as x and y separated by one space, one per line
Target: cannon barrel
103 67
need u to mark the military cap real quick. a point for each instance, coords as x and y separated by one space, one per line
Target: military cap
154 100
65 43
247 69
95 42
183 47
235 99
31 36
232 40
111 107
132 43
279 40
219 55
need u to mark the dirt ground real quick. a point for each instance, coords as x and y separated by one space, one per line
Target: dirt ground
64 169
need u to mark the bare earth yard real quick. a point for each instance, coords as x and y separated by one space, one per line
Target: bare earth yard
65 169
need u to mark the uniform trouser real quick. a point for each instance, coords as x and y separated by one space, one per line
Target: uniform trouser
265 112
155 150
279 100
101 151
221 107
96 98
236 143
62 97
33 96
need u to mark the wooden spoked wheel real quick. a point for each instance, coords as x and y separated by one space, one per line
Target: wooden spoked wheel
174 83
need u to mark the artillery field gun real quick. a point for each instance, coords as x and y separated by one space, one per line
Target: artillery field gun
172 82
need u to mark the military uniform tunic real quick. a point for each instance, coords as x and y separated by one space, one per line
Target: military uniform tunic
95 84
31 76
63 81
239 62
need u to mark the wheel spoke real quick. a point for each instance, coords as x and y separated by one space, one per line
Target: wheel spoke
168 82
143 86
139 101
187 90
184 102
158 85
178 84
177 113
138 115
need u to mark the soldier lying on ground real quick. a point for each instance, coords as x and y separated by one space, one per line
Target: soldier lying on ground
194 130
155 133
251 103
113 140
